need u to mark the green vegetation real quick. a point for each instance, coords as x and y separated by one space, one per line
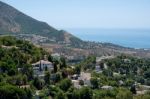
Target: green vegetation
8 91
14 55
130 69
88 63
17 80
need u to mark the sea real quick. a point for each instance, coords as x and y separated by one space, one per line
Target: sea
133 38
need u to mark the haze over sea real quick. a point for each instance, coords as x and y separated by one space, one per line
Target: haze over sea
134 38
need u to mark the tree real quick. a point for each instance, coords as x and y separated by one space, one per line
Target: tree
60 95
65 84
19 80
133 89
148 81
94 82
50 58
25 79
62 63
140 79
104 94
81 82
11 92
44 93
28 93
64 73
147 74
73 93
53 90
38 83
129 82
11 72
8 40
102 65
1 78
77 69
57 77
47 77
85 93
124 94
55 66
107 72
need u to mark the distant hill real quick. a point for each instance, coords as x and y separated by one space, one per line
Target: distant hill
16 23
13 21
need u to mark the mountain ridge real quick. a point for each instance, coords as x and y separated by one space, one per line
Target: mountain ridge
13 21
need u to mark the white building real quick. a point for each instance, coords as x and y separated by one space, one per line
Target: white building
86 77
107 87
40 66
127 60
98 69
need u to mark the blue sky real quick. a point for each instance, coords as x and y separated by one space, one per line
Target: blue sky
64 14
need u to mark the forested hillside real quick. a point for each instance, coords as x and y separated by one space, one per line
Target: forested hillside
16 54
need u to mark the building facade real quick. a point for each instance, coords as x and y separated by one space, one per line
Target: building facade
41 66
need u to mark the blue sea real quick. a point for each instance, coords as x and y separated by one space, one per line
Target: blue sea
134 38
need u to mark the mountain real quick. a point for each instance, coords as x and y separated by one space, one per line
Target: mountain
22 26
13 21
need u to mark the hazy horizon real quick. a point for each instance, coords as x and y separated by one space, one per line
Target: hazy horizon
132 38
130 14
126 23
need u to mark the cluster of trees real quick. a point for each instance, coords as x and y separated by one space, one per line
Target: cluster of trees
17 54
16 57
88 93
8 91
71 93
135 69
88 63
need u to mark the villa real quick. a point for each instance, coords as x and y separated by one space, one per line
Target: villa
41 66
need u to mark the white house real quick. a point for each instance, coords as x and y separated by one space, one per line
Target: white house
107 87
86 77
40 66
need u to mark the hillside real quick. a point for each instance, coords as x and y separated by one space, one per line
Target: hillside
22 26
15 22
21 80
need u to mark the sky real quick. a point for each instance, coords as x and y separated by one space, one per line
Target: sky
63 14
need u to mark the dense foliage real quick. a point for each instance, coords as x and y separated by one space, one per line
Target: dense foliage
12 92
17 80
16 57
17 54
130 69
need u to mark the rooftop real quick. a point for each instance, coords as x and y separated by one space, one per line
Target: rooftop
42 62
